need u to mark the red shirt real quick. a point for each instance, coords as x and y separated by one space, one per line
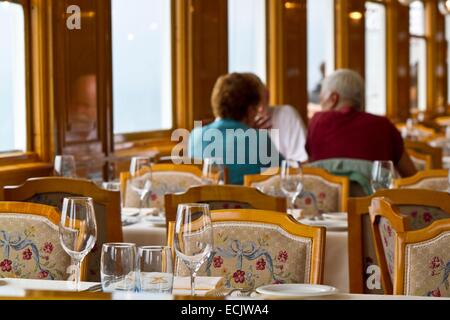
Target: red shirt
349 133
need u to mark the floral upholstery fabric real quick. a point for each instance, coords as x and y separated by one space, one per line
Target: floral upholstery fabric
318 194
422 216
249 255
55 199
388 236
30 248
163 182
428 267
436 184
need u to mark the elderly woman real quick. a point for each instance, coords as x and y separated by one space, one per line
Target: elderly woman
344 130
233 138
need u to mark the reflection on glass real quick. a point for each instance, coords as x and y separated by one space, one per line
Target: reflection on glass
320 21
13 130
418 74
375 58
247 37
142 57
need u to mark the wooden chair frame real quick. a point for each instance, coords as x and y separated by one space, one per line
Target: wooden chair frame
420 176
249 180
252 196
85 188
427 158
358 208
48 212
425 148
282 220
384 207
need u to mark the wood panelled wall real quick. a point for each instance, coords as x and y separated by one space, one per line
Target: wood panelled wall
71 73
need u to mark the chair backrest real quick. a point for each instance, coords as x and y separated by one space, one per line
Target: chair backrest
443 121
29 242
426 149
412 261
52 190
328 192
436 180
421 161
255 247
166 178
417 204
422 131
223 197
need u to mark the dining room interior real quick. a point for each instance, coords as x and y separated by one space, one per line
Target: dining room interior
249 150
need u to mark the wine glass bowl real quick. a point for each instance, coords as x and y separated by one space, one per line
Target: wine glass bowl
65 166
193 239
141 178
213 172
383 173
77 230
291 180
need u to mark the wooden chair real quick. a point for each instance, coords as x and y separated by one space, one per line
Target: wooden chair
52 190
327 191
412 261
223 197
275 249
31 249
425 149
423 131
421 161
436 180
443 121
418 204
166 178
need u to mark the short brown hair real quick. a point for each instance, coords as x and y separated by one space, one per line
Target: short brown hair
234 94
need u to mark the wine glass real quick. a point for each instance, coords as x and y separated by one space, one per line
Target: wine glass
382 175
193 237
213 172
291 177
141 178
77 230
65 166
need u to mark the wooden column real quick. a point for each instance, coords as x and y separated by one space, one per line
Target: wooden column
202 56
287 54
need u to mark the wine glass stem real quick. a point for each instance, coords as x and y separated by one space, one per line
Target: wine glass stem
193 284
77 274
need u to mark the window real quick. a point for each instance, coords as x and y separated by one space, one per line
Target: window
418 57
142 65
13 92
320 19
375 58
247 37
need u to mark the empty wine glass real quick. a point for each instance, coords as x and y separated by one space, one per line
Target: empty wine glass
193 237
77 230
382 175
291 177
141 178
65 166
213 172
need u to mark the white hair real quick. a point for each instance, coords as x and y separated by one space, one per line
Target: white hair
348 84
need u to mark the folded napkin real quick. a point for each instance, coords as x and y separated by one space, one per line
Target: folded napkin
201 283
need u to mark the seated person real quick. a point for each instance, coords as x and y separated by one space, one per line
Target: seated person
288 123
232 138
344 130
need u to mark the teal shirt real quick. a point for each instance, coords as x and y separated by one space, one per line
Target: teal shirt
242 149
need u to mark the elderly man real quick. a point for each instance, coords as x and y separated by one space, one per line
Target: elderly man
344 130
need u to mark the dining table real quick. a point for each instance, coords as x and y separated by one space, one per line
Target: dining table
336 271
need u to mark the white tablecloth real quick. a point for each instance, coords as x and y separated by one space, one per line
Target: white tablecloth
336 251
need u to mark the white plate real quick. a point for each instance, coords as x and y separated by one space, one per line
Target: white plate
332 225
156 220
335 215
296 290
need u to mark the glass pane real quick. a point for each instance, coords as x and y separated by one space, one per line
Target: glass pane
13 124
375 58
418 66
142 65
417 18
247 37
320 45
